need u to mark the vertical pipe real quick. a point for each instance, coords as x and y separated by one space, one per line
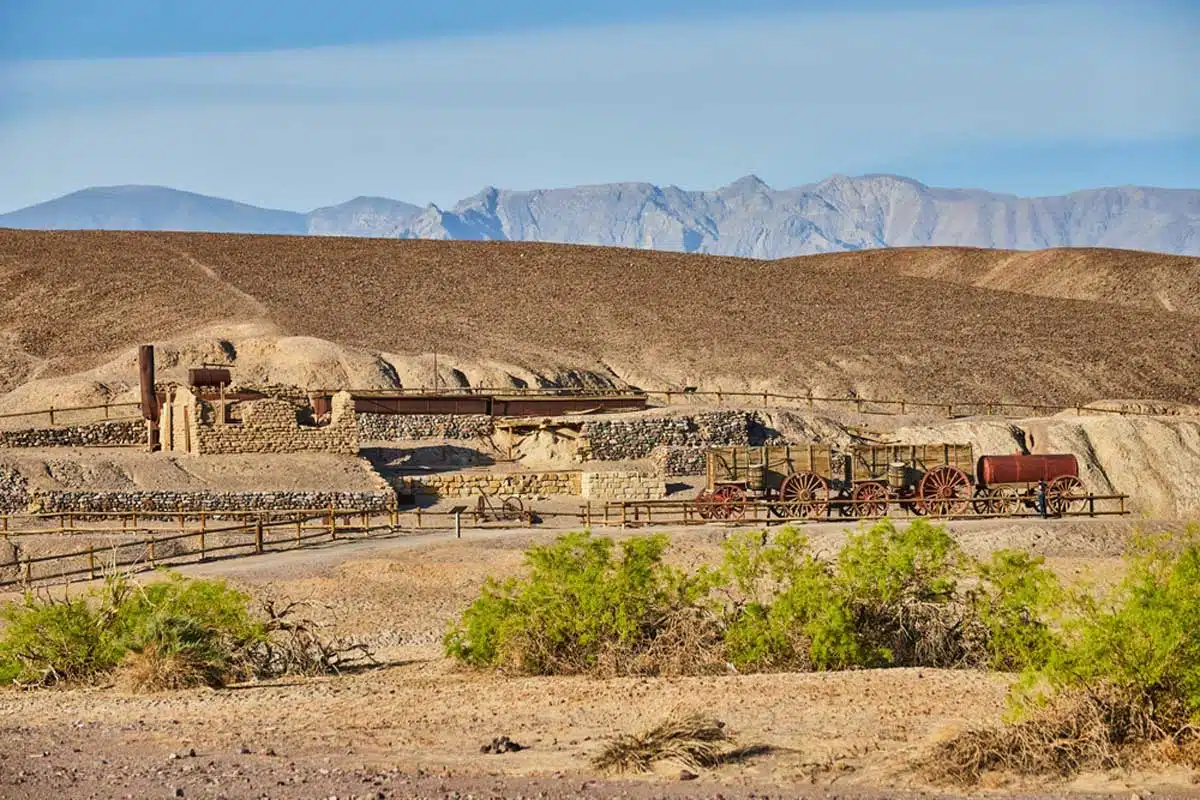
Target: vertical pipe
148 395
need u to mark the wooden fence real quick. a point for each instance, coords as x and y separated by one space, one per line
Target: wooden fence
79 415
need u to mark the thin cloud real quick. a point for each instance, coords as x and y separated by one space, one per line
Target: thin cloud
791 97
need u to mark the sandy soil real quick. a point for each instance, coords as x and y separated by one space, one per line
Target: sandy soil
413 726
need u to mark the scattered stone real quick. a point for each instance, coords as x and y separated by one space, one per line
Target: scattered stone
687 775
500 745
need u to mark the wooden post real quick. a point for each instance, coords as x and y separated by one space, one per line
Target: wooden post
418 517
587 515
51 415
332 523
457 524
1092 505
28 570
622 516
202 554
91 563
150 545
71 521
258 535
299 528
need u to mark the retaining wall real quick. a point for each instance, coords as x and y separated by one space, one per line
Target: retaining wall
97 434
83 501
471 484
630 439
623 485
401 427
14 491
673 461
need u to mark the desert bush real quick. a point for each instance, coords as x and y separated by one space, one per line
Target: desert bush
582 607
790 614
1016 601
168 634
1117 681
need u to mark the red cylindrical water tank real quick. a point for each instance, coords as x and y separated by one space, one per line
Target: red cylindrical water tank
994 470
209 377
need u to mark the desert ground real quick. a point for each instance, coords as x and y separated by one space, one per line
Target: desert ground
413 725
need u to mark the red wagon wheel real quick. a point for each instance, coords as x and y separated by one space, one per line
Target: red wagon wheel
806 495
871 499
704 504
1003 500
728 502
944 491
1064 494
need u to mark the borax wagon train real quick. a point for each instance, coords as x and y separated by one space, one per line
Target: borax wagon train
811 481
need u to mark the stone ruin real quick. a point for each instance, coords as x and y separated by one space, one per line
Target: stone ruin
224 426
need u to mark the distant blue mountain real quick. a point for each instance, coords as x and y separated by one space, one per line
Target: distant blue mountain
745 218
152 208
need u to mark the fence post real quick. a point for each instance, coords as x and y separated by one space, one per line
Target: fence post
91 563
332 523
258 535
150 545
202 554
299 528
418 517
51 415
28 570
587 515
457 524
1092 504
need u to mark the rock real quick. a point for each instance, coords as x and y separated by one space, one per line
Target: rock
687 775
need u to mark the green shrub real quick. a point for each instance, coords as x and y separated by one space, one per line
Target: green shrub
792 616
578 603
1015 601
50 642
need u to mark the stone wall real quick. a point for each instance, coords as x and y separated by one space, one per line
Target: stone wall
628 439
623 485
270 425
81 501
14 491
471 484
673 461
402 427
105 434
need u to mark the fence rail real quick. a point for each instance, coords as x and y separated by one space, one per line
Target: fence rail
110 412
198 536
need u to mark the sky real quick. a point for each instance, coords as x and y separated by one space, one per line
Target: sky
300 104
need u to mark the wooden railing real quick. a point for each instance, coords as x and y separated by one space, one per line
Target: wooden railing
61 416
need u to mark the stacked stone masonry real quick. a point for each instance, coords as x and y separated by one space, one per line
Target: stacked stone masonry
674 461
270 425
404 427
83 501
99 434
623 485
14 490
630 439
472 484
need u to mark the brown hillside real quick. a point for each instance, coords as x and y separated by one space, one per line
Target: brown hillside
836 323
1121 277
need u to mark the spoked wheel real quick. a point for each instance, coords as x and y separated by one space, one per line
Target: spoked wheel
513 508
871 499
1002 500
805 494
1064 494
729 502
704 504
944 491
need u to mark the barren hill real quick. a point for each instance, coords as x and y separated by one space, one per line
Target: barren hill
929 323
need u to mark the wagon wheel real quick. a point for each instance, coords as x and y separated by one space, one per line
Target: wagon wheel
481 509
512 508
1064 494
806 494
1002 500
871 499
704 504
944 491
729 502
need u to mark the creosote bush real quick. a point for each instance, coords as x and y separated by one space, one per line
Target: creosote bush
167 634
891 597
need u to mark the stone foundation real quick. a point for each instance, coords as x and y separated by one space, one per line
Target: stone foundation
121 433
675 461
83 501
472 484
14 491
623 485
631 439
405 427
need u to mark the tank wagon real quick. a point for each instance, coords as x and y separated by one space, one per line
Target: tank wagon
940 479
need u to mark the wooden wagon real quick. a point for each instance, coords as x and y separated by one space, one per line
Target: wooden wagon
923 478
798 476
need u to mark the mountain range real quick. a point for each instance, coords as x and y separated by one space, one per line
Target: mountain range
746 218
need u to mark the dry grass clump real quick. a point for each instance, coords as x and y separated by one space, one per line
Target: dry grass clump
693 741
156 668
1078 732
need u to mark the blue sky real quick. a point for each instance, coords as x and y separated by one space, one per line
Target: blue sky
301 104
